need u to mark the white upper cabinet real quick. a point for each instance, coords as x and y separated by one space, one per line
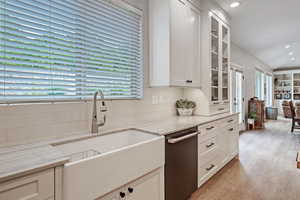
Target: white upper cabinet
174 43
213 98
219 60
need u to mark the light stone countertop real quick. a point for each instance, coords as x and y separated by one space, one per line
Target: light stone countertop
174 124
25 159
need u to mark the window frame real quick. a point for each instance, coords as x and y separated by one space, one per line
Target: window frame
123 4
264 91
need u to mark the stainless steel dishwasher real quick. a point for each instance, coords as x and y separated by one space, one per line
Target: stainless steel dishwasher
181 170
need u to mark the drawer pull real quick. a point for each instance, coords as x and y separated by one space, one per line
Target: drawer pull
189 81
230 120
210 128
220 109
210 168
231 129
216 103
210 145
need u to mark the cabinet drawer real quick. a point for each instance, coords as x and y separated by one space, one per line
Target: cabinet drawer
208 169
39 186
208 131
206 145
233 120
218 108
208 156
232 128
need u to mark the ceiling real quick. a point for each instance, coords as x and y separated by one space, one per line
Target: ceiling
265 27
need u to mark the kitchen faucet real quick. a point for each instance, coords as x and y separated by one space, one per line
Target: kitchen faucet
103 109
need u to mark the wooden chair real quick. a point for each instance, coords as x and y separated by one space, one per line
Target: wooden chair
286 109
295 120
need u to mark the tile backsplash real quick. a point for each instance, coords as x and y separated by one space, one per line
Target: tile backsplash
36 122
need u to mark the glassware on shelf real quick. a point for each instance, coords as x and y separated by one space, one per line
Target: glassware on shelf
214 94
215 79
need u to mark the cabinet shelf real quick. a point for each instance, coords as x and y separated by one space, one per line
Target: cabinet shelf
225 41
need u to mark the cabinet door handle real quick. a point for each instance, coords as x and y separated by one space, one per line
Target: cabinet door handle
210 168
210 145
189 81
130 190
230 120
231 129
122 194
210 128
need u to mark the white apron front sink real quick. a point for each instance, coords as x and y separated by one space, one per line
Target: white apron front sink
101 164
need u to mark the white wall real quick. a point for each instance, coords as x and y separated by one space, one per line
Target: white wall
35 122
248 63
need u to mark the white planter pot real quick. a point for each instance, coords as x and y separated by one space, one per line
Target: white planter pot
185 112
250 121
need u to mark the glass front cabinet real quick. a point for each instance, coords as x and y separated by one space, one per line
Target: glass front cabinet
214 96
219 66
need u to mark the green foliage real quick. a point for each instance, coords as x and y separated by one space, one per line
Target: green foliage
184 103
252 115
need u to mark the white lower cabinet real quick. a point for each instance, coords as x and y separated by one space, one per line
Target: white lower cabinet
233 141
218 144
148 187
39 186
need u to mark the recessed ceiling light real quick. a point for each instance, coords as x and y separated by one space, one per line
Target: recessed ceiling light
287 46
235 4
291 53
293 59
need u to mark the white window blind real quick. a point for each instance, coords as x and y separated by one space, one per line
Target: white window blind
67 49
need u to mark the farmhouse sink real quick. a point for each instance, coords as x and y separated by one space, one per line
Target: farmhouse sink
101 164
95 145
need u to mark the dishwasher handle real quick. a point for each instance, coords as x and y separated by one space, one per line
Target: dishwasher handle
179 139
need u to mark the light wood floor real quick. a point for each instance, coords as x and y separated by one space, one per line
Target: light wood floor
266 169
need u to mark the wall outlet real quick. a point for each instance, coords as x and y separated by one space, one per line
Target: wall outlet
155 100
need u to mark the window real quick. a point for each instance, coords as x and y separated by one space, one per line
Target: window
264 87
60 50
269 90
259 87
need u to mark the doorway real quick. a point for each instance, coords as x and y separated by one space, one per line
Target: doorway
237 94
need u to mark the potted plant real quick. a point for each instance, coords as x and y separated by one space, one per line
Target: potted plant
185 107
